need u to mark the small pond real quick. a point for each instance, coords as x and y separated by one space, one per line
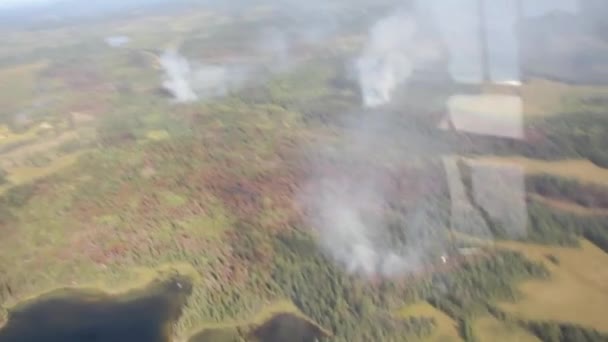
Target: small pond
93 316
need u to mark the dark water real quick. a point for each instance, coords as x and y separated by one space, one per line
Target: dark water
76 316
143 315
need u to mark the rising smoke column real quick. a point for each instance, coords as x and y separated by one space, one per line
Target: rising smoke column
177 78
394 48
189 82
363 225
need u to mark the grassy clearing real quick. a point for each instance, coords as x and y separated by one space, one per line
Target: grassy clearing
42 145
569 206
579 169
233 331
102 217
446 328
17 85
172 199
26 174
543 98
488 328
577 291
267 312
10 140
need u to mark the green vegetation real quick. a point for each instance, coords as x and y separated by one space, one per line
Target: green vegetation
488 328
3 176
587 195
543 98
217 335
564 136
554 332
581 170
553 226
578 274
444 328
106 179
547 221
548 330
17 87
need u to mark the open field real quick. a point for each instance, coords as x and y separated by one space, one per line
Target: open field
569 207
543 98
446 328
17 86
10 140
45 144
577 291
579 169
27 174
267 312
488 328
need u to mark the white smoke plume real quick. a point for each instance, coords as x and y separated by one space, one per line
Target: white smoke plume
178 76
394 49
189 82
360 241
363 223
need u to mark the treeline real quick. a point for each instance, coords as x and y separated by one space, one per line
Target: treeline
559 332
356 309
321 90
585 194
466 293
581 134
548 225
550 331
347 306
570 135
